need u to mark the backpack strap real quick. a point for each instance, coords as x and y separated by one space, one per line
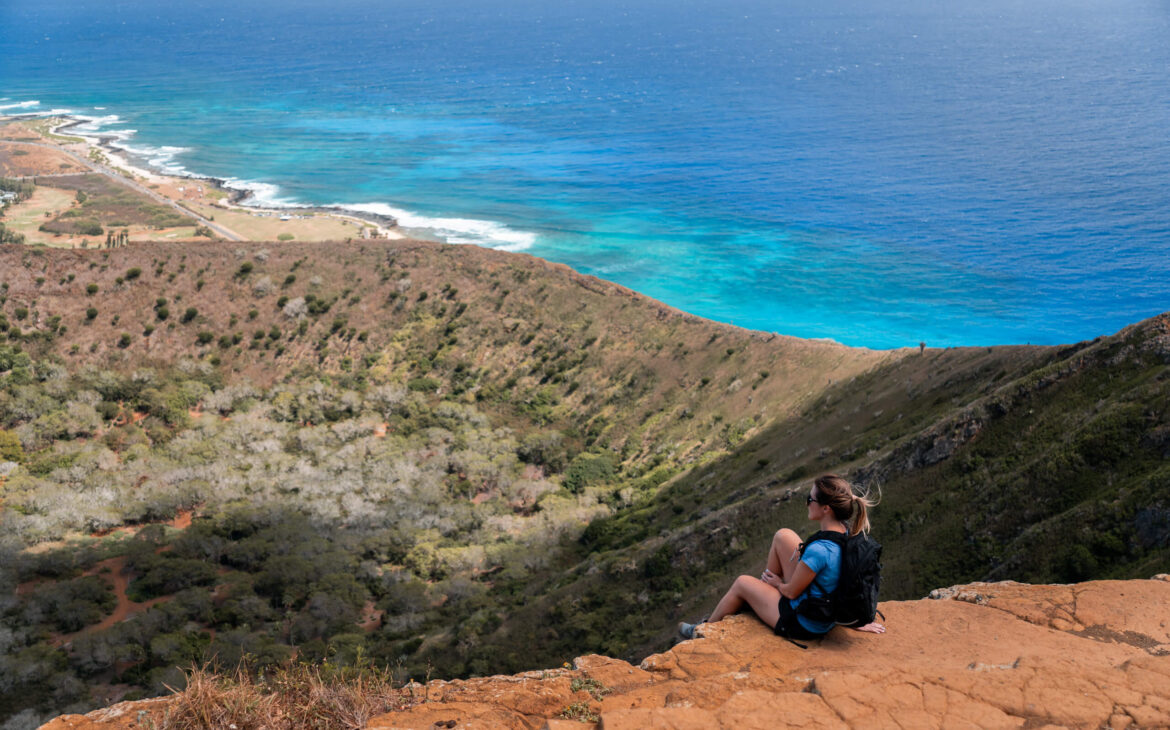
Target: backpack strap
794 641
838 537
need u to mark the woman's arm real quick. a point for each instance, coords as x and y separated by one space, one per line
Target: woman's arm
801 579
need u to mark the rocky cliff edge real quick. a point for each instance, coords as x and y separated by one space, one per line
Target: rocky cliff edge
987 655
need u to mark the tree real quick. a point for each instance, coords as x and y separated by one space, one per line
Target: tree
10 448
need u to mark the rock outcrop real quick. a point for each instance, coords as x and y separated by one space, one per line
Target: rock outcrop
986 655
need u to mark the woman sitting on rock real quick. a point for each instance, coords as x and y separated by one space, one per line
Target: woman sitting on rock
792 577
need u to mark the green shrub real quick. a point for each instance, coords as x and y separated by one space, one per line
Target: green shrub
71 605
425 385
124 341
589 469
91 289
204 337
189 315
133 273
91 313
10 448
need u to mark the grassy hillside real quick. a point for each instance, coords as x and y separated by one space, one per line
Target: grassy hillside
529 340
464 461
370 437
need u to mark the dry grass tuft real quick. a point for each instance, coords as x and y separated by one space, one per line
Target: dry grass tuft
293 697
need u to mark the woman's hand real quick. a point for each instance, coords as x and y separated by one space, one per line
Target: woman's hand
873 628
771 578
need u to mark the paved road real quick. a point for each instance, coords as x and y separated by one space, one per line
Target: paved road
123 180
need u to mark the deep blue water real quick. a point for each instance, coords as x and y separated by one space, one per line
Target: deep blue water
948 171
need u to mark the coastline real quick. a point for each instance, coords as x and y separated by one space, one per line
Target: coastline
100 150
237 196
254 197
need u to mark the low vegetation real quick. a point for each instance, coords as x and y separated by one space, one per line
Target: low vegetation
291 697
104 203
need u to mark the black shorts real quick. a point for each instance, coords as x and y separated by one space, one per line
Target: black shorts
789 626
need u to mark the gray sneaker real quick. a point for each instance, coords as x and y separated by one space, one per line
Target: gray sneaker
687 631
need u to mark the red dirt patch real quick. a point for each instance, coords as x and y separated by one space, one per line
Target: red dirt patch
183 519
371 618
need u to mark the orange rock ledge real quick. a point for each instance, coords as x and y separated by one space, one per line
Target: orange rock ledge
984 655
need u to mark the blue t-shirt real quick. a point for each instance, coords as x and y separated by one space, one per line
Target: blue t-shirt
824 557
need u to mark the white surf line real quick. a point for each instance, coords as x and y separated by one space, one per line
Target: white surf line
246 188
93 140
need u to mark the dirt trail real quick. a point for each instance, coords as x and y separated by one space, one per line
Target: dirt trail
126 608
181 521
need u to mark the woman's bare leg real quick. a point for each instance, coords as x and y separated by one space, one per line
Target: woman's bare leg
763 599
782 557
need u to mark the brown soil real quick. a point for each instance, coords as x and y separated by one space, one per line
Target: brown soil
23 160
371 618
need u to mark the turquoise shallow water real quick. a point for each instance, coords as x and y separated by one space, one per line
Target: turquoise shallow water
936 172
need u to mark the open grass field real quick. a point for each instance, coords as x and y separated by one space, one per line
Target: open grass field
257 227
17 131
45 204
110 205
23 160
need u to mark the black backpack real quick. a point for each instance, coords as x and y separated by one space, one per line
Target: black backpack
854 603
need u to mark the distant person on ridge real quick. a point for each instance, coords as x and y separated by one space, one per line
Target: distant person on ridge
808 573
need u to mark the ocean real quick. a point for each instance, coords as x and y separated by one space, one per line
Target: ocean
951 172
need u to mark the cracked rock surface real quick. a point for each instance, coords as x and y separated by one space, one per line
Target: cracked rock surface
983 655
